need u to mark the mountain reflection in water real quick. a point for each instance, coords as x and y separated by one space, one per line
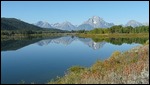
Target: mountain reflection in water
68 40
93 43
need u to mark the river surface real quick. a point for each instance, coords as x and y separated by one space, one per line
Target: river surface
40 60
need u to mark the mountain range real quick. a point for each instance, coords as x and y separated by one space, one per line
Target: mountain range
95 22
16 24
91 23
64 26
43 24
133 23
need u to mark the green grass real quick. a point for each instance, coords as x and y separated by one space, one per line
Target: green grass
115 35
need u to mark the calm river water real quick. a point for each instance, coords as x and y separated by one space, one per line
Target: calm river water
40 60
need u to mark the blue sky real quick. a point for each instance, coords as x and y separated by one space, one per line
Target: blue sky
76 12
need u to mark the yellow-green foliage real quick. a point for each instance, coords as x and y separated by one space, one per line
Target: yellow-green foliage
76 69
115 35
147 42
115 55
120 68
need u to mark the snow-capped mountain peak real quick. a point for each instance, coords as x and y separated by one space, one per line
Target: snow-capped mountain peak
95 22
91 23
133 23
43 24
64 26
66 22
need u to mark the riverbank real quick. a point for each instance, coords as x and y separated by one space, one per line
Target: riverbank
83 35
130 67
116 35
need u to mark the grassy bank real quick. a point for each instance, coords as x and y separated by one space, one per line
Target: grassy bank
130 67
115 35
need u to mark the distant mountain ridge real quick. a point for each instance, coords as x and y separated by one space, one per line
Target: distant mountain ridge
43 24
91 23
95 22
64 26
133 23
16 24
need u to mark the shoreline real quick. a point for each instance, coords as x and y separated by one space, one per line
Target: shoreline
130 67
115 35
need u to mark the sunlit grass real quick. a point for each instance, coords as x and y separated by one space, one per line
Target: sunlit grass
115 35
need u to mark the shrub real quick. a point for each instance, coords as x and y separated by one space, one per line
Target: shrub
76 69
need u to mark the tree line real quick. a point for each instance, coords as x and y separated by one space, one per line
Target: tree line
28 32
117 29
113 29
